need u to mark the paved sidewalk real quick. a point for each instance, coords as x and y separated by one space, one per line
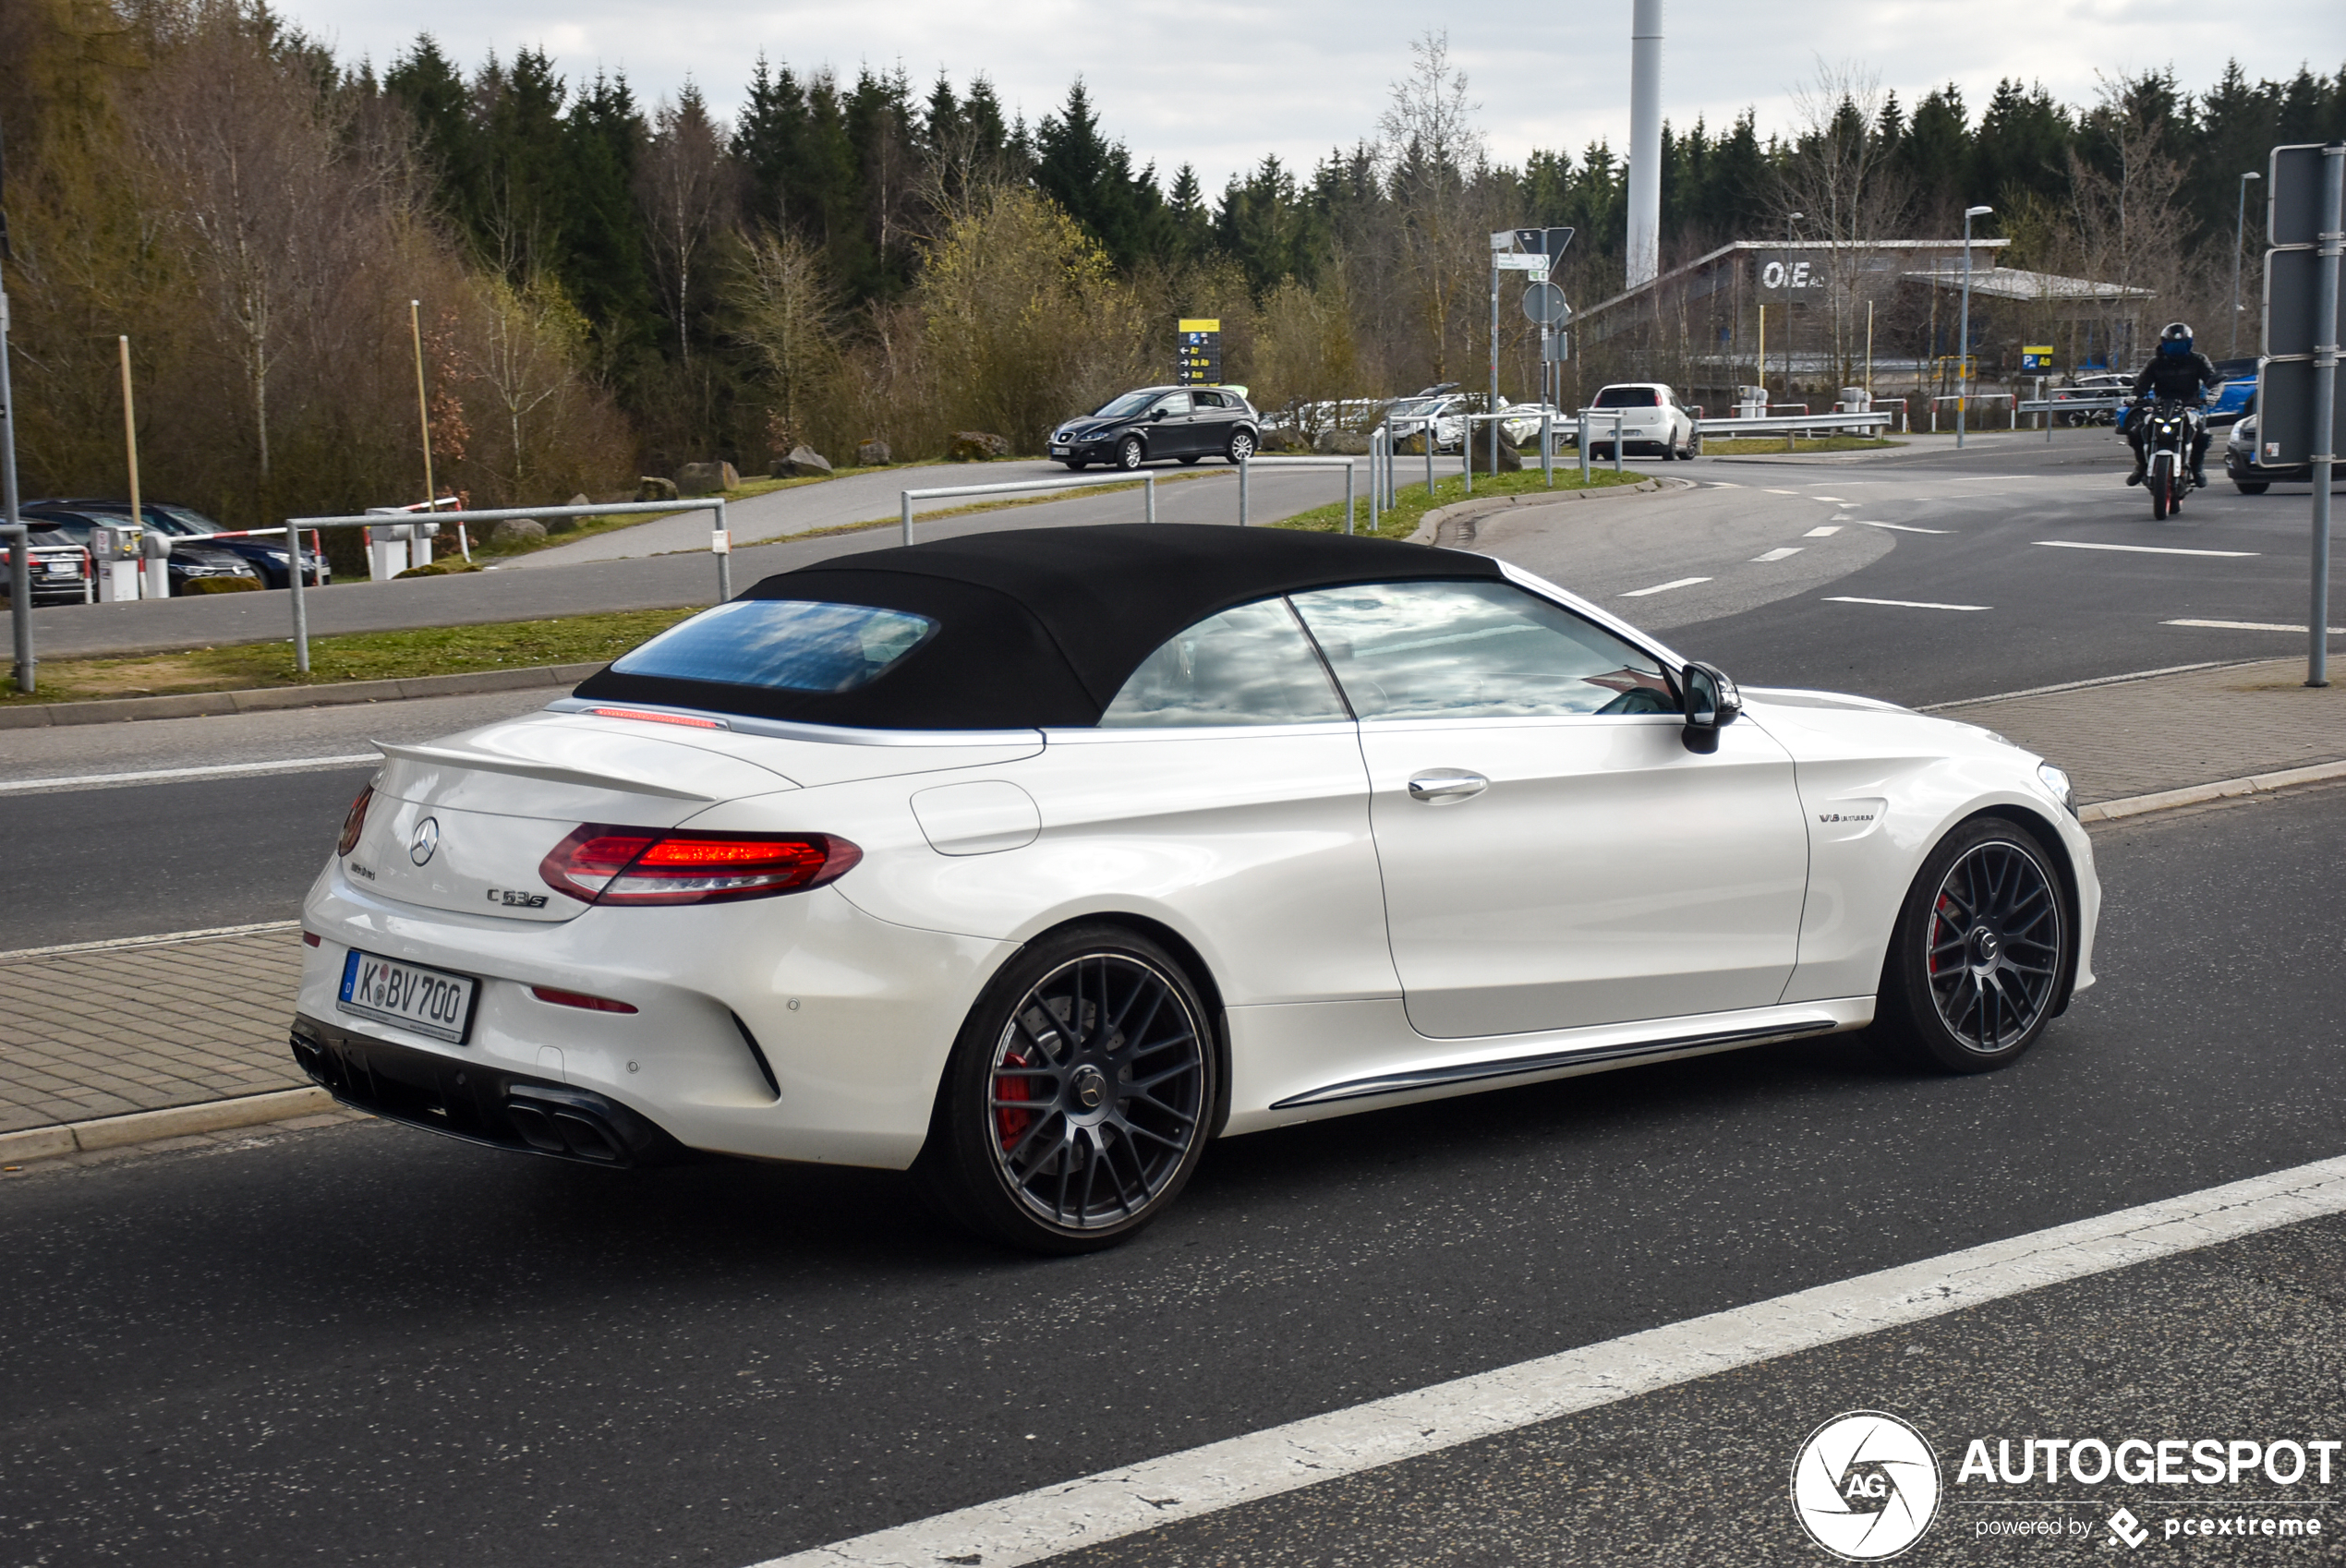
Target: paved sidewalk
125 1028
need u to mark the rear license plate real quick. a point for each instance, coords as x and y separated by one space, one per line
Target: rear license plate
430 1001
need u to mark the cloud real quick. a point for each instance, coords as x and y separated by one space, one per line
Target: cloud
1220 84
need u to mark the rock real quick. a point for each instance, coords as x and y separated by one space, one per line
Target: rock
580 499
448 566
562 525
977 446
1510 460
873 453
651 487
517 531
804 462
1342 444
707 478
1281 438
1411 445
221 585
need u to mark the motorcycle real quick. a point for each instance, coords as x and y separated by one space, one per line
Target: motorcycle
2170 434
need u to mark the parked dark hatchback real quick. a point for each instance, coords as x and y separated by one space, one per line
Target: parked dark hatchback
265 555
1183 423
189 562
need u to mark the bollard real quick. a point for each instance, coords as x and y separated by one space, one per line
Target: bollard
1148 494
1245 466
1376 483
1548 446
1582 437
1617 440
720 545
1348 498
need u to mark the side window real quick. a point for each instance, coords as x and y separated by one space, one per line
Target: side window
1174 403
1205 399
1475 650
1252 665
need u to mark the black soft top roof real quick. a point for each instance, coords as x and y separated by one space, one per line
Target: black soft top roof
1041 627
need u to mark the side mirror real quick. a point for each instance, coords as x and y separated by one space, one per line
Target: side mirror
1712 704
1157 413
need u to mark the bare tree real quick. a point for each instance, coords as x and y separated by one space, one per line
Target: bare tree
1430 150
788 314
686 185
2128 229
524 352
278 210
1838 186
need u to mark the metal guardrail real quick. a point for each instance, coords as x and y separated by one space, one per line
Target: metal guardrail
721 541
1088 481
1330 462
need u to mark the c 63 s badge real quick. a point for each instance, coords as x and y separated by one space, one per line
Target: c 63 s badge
1865 1486
510 898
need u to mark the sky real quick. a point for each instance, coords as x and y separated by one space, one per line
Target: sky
1220 83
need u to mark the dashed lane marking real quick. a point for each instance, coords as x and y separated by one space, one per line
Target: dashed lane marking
1784 492
2249 626
1664 588
1828 531
1899 527
1904 604
2143 550
1781 552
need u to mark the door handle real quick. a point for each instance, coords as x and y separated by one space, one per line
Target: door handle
1448 785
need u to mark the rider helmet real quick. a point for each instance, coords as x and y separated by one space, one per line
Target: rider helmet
2176 337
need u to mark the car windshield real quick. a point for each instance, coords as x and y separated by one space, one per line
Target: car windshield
1627 397
1124 407
794 645
1409 407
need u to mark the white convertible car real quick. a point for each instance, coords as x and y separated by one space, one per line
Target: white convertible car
1033 861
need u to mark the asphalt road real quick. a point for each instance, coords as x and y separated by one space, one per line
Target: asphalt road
367 1346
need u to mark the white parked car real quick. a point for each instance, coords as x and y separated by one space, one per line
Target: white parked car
1653 422
1035 861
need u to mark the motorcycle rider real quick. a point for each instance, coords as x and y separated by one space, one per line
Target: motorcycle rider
2179 372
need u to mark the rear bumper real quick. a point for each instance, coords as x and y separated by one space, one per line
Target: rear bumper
476 1101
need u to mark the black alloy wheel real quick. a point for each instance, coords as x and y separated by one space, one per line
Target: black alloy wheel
1189 459
1080 1096
2247 488
1981 952
1242 446
1130 453
1076 464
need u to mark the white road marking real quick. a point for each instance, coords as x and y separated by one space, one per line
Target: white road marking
2140 550
1899 527
2249 626
204 935
218 770
1828 531
1781 552
1784 492
1837 500
1905 604
1664 588
1111 1504
1723 484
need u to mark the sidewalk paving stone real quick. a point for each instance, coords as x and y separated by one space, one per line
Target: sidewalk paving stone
100 1033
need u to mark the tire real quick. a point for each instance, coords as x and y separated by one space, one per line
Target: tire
1076 464
2257 488
2178 487
1241 447
1191 458
1974 1000
1096 1014
1131 453
2157 485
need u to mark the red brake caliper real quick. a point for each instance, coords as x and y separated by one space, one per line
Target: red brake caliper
1010 1126
1939 922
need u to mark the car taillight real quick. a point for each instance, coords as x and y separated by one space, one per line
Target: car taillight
562 999
353 823
600 865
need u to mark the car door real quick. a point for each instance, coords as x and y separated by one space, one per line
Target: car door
1552 854
1211 418
1172 429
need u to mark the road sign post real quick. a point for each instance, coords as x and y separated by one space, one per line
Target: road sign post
2297 402
1200 363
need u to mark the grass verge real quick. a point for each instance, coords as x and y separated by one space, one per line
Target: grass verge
1714 446
1412 503
362 655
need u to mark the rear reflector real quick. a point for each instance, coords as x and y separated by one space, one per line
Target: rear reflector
562 999
647 717
600 865
312 939
354 822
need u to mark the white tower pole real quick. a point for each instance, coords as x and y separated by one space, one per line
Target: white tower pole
1645 141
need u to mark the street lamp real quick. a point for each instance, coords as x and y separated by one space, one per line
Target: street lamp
1962 337
2240 227
1789 219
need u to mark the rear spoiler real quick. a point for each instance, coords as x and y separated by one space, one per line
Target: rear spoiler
482 761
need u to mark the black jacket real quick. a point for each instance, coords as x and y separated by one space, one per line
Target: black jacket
2177 375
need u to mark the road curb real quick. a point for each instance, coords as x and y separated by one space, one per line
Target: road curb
202 705
176 1121
2197 794
1430 526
